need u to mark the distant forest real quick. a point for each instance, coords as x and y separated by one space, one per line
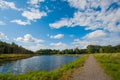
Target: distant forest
8 48
89 49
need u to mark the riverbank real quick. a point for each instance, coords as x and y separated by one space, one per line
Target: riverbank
13 57
63 73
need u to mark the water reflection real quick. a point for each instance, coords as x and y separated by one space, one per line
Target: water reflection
36 63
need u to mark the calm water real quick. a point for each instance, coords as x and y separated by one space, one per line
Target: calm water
36 63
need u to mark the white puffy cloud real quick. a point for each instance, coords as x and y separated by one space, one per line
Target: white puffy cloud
35 2
58 36
28 38
5 5
95 38
96 34
59 24
36 47
33 14
79 4
87 4
3 36
79 19
2 23
81 43
59 45
20 22
90 17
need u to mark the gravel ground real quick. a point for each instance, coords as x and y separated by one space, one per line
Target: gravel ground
90 71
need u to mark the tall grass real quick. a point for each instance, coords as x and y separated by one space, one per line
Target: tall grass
62 73
11 57
110 63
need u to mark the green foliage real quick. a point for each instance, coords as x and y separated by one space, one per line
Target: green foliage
110 64
46 51
58 74
11 57
66 51
90 49
93 48
103 49
7 48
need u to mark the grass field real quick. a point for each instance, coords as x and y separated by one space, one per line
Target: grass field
62 73
11 57
110 63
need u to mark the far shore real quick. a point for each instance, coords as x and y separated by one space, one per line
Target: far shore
13 57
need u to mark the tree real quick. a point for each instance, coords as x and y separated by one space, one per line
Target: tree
93 48
8 48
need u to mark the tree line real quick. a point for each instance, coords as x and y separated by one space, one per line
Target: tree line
103 49
7 48
89 49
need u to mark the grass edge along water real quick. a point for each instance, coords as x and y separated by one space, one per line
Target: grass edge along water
62 73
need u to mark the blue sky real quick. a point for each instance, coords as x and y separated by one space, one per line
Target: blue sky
60 24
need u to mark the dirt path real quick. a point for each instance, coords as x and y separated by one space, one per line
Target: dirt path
90 71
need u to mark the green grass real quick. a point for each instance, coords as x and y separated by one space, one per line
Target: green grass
110 63
62 73
11 57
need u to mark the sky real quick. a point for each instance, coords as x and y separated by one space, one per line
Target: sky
60 24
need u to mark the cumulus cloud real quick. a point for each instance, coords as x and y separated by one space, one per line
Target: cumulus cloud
92 14
3 36
59 24
20 22
35 2
98 37
58 36
59 45
36 47
96 34
6 5
2 23
79 4
33 14
28 38
81 43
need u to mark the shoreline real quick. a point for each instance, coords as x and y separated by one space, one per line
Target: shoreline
12 57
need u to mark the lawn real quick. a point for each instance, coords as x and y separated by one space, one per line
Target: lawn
110 62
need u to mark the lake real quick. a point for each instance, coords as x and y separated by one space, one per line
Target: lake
36 63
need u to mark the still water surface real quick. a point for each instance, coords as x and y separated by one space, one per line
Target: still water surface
36 63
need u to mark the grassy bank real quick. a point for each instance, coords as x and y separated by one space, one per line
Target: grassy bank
62 73
11 57
110 63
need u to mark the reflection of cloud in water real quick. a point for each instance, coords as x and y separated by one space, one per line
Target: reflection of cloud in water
36 63
57 62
